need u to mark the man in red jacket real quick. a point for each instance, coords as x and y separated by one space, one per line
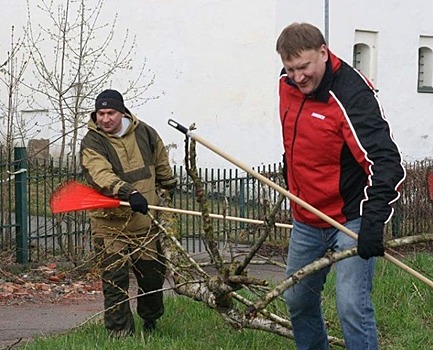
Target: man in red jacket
340 157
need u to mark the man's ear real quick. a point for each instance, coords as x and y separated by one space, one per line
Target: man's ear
324 52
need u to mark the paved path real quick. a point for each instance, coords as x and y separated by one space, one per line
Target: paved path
30 320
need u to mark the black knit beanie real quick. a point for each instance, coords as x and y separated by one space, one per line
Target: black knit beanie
110 99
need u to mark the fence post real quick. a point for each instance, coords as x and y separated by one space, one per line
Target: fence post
22 253
242 201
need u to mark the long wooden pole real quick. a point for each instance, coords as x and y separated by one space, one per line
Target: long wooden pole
292 197
216 216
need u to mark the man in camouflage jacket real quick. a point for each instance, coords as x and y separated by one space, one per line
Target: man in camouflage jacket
124 158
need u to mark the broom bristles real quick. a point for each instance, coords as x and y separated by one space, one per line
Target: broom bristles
74 196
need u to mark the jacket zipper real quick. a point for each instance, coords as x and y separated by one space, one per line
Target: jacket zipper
295 130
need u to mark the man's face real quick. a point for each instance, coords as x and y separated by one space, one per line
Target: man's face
307 69
109 120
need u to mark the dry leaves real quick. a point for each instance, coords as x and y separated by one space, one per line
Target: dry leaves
46 284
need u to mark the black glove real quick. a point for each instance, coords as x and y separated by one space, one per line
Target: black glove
370 239
138 202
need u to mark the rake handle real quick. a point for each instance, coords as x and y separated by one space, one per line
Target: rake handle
293 198
216 216
178 126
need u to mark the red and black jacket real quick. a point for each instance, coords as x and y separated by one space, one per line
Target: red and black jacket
339 151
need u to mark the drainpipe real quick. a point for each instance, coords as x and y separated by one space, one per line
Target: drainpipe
326 10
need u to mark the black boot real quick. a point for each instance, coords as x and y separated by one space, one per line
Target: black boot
149 325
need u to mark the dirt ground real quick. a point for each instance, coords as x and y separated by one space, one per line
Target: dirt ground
45 300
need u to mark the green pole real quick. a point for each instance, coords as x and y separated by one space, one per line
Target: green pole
22 236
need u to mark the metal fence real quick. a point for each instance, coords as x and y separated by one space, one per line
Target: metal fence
414 210
29 231
233 193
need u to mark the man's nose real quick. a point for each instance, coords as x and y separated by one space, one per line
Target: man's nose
298 76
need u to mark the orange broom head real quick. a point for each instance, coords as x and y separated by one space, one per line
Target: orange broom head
74 196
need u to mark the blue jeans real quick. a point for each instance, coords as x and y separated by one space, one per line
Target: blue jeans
353 289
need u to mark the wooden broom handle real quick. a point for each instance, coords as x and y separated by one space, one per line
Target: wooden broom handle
217 216
292 197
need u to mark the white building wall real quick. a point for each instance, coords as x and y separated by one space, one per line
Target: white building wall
216 66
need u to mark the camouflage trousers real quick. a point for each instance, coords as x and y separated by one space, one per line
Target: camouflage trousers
117 257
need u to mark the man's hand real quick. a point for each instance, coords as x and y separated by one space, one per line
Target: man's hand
138 202
370 239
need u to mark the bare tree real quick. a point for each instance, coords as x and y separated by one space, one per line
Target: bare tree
74 56
11 73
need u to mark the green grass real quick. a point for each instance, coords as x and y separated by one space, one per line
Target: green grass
404 305
186 325
404 308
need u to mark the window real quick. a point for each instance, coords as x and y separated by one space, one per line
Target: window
365 54
425 65
361 58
